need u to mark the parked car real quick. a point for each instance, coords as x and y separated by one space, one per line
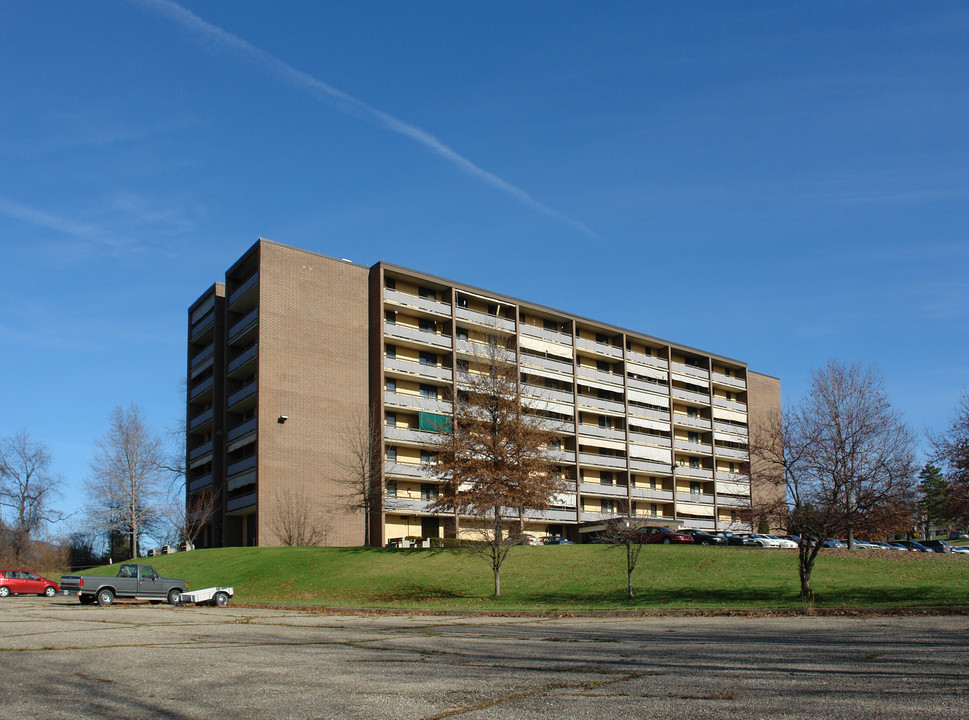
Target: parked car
25 582
898 546
555 540
704 538
663 535
833 544
960 549
912 545
733 538
939 546
784 542
865 545
525 539
958 535
760 540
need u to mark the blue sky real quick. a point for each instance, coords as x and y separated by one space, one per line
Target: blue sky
781 183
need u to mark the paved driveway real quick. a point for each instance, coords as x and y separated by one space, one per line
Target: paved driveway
61 660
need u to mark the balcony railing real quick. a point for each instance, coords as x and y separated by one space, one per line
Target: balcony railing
733 501
656 362
199 389
691 396
597 489
409 435
417 368
200 483
414 301
244 323
696 447
240 503
730 428
561 366
730 404
202 355
239 395
732 453
398 469
207 321
422 337
598 347
729 381
608 461
698 498
601 404
200 451
600 375
245 287
697 422
240 466
200 419
550 335
245 357
594 431
690 370
647 494
548 394
647 412
649 439
416 401
398 504
485 319
240 430
687 471
644 465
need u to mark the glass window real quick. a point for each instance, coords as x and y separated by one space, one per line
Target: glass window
428 358
390 351
428 293
390 317
391 453
462 333
391 385
392 488
428 491
391 419
606 478
428 391
607 505
427 325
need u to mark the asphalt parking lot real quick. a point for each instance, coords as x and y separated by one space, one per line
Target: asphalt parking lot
61 660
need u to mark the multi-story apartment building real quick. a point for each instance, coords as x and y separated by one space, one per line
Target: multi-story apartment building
296 353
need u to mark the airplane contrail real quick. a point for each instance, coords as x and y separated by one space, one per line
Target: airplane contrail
346 103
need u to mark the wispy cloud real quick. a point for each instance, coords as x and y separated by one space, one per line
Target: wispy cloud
39 218
223 40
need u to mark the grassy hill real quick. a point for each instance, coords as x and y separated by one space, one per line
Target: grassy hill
576 577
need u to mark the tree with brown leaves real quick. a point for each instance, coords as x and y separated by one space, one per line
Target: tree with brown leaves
493 461
847 461
952 450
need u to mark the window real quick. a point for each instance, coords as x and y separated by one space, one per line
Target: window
427 293
428 457
463 365
694 462
652 483
606 478
391 385
654 509
696 488
428 391
391 283
602 338
390 317
691 412
428 491
462 333
492 309
392 453
733 467
603 366
729 395
428 358
607 505
694 437
462 301
390 419
390 351
428 326
391 488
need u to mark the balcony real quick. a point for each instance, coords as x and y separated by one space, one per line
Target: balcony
240 430
650 466
566 457
696 422
200 483
606 490
408 470
690 370
410 436
547 363
204 323
733 477
696 447
732 453
417 369
647 494
550 515
687 471
731 428
199 452
656 455
599 348
656 388
730 404
607 461
649 360
699 498
601 404
600 375
202 356
201 419
481 352
240 503
729 381
395 297
699 524
549 394
732 501
412 402
241 291
420 337
487 320
240 466
245 324
648 412
243 359
402 504
691 396
599 432
649 439
198 390
549 335
242 394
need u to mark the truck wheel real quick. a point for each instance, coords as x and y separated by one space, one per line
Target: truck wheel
221 599
50 591
174 595
105 597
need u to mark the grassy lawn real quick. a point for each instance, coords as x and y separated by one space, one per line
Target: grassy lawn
574 577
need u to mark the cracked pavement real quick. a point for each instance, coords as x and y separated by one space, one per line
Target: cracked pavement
59 659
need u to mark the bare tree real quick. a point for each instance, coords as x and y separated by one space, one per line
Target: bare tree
127 476
28 487
358 471
627 535
493 459
295 522
952 450
847 460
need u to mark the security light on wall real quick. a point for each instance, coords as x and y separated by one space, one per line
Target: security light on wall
282 419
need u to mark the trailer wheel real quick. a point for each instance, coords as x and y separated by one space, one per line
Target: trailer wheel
86 599
221 599
105 597
173 596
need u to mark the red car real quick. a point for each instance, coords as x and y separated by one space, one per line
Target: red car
663 535
24 582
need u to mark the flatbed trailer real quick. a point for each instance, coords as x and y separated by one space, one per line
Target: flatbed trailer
218 596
